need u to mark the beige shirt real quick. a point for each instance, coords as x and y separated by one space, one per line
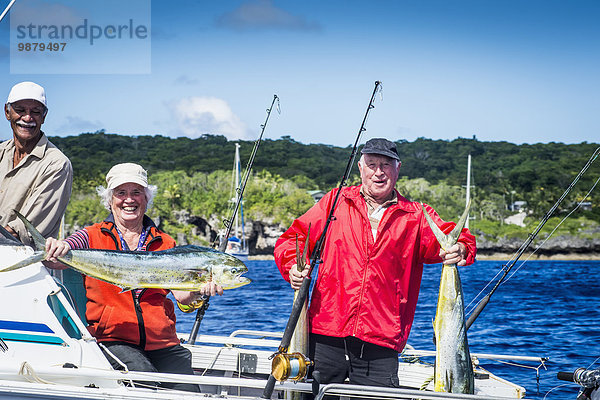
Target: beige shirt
376 211
39 188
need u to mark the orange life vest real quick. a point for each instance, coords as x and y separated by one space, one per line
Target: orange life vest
148 320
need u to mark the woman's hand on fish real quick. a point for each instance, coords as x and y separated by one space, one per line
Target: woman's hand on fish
210 289
186 298
55 248
456 254
297 277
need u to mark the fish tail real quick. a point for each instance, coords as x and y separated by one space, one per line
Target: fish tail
450 239
38 239
460 224
38 256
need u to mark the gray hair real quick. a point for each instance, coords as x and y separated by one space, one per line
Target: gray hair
106 196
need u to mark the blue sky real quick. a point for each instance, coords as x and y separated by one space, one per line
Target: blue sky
519 71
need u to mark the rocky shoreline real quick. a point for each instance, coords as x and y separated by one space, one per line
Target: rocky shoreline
482 256
262 236
555 248
497 257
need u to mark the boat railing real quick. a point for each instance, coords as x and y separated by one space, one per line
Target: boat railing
260 334
236 339
259 339
340 389
481 356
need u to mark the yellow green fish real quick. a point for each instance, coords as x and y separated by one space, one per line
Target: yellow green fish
453 371
180 268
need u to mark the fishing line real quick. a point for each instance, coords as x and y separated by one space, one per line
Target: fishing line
554 388
593 362
482 291
203 303
242 186
554 230
536 249
507 267
378 90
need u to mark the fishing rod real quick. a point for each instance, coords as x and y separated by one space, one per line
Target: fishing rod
240 189
6 9
315 257
203 303
527 243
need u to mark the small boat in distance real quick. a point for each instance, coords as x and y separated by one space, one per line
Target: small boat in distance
236 244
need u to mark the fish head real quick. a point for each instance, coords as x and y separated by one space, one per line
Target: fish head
228 273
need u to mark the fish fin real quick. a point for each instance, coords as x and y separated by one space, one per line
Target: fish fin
36 257
447 241
199 270
38 239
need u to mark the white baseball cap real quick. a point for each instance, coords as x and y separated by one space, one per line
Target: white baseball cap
26 91
126 173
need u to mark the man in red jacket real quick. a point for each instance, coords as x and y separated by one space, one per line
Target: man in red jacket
363 302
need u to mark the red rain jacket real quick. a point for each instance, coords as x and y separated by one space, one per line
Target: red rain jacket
365 288
113 316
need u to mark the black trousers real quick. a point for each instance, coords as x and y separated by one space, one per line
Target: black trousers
174 360
362 363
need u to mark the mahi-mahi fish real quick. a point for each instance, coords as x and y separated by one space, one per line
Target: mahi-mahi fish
180 268
453 371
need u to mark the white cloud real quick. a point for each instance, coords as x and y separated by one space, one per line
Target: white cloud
76 125
197 116
262 14
40 13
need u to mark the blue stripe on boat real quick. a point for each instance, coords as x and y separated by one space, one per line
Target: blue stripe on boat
25 326
25 337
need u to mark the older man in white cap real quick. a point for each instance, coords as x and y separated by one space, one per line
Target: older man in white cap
35 176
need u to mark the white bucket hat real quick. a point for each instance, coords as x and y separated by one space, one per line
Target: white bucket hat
126 173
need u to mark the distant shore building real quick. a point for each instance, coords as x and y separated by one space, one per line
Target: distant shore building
586 205
518 206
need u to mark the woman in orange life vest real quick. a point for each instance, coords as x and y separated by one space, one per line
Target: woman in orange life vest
138 326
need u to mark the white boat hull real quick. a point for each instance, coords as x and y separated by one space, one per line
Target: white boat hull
50 354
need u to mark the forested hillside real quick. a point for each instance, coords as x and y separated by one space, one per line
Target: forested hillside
194 176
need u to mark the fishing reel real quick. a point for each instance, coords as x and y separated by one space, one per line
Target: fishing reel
194 305
292 366
589 380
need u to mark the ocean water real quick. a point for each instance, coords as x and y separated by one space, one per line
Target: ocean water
547 309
